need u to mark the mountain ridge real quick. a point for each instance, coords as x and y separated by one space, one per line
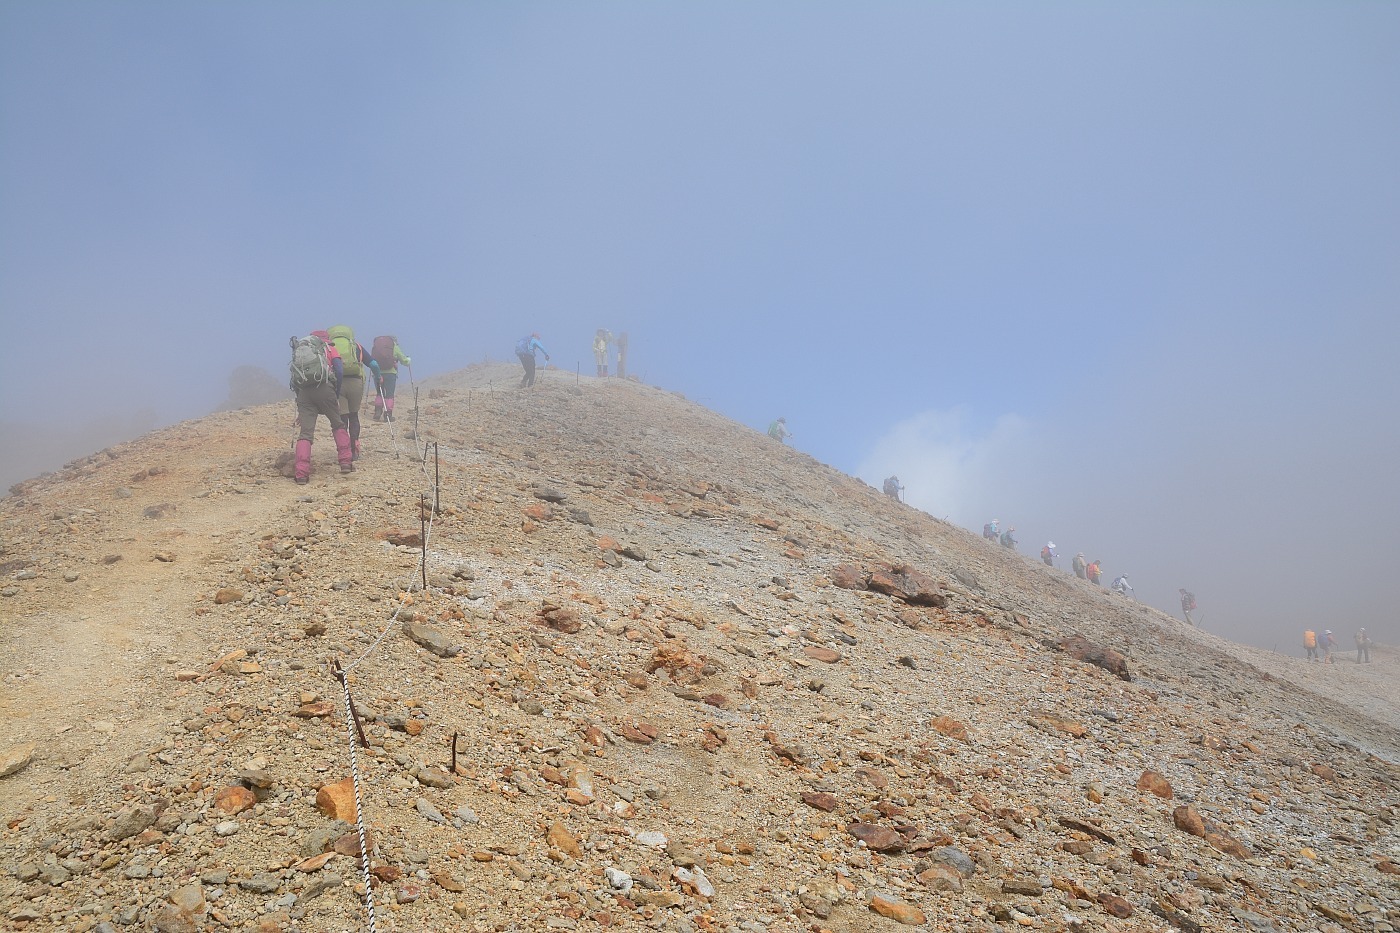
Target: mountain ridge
632 588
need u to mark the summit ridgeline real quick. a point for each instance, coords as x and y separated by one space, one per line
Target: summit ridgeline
666 674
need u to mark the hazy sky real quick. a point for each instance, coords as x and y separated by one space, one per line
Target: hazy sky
1123 275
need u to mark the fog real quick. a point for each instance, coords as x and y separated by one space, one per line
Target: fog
1122 276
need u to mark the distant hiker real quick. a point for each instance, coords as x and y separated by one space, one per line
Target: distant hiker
388 354
778 430
621 344
525 348
1094 572
1008 538
1080 565
992 530
1329 642
1122 587
1048 554
316 376
893 489
1310 644
600 350
358 363
1188 605
1363 646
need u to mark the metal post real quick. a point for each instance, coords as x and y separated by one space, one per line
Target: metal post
437 482
423 537
350 703
454 753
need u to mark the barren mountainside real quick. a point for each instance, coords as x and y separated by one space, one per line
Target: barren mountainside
696 680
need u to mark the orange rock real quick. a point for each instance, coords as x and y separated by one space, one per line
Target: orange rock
1324 771
234 799
1115 905
1154 783
897 910
1188 820
950 727
825 655
337 800
606 543
563 840
227 595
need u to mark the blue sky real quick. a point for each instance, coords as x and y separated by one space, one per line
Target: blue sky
1124 275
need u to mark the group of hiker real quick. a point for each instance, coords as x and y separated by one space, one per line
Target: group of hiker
1319 647
328 372
1084 569
604 341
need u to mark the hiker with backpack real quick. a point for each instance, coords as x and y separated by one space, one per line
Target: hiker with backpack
388 354
600 350
992 530
317 374
1188 605
1363 647
1080 566
1048 555
893 488
1008 538
1329 641
1310 645
1094 572
357 362
778 430
621 344
525 349
1122 587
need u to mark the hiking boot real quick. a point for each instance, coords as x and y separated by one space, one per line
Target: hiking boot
303 480
347 468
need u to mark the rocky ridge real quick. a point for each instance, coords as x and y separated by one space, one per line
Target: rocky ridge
697 681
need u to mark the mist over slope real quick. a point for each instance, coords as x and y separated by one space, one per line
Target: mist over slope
696 680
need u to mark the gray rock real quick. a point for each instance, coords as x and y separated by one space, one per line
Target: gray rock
315 842
466 814
428 811
432 777
432 639
955 858
264 882
128 821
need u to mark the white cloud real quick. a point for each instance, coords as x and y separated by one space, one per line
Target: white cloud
948 469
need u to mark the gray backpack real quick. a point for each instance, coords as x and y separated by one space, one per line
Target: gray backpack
309 366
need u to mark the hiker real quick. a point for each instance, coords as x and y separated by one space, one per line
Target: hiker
1363 646
778 430
1048 554
600 350
1008 538
1080 566
1328 643
525 348
388 354
317 372
992 530
893 489
1310 644
1188 605
1094 571
1122 587
621 344
357 362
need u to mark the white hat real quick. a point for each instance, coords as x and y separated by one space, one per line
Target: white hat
1050 544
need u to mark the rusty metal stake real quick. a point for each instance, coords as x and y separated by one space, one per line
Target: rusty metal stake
354 713
454 753
437 482
423 537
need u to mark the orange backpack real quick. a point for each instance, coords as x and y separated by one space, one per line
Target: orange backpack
1310 639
